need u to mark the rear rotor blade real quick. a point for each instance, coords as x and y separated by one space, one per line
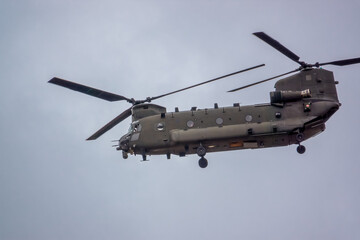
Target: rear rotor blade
88 90
212 80
278 46
341 62
256 83
111 124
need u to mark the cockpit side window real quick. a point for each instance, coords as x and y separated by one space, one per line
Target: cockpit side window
137 127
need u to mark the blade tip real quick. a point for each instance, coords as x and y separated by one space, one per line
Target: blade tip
233 90
52 80
258 33
56 80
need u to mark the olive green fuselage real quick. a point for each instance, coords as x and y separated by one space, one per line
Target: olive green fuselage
155 131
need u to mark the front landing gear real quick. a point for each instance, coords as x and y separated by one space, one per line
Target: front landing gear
203 162
201 151
301 149
299 137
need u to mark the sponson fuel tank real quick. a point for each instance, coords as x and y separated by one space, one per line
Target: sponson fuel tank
235 131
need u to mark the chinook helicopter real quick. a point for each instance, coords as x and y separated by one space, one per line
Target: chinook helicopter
297 111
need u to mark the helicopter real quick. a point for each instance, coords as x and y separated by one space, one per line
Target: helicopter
298 110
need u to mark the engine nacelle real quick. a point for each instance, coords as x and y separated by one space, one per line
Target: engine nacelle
288 96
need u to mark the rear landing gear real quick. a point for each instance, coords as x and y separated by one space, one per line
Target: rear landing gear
299 138
201 151
301 149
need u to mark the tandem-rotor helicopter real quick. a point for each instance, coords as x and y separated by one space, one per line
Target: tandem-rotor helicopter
297 111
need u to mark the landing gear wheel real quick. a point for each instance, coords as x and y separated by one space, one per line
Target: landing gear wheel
299 137
301 149
125 155
201 151
203 162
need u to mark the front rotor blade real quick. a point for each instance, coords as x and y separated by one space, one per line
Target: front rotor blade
88 90
278 46
212 80
256 83
111 124
342 62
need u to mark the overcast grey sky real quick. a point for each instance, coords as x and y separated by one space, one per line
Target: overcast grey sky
56 185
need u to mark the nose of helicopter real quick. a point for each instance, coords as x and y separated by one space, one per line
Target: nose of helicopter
124 143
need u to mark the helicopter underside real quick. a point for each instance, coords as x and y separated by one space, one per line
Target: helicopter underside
252 141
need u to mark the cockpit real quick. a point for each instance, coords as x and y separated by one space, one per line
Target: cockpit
135 127
132 135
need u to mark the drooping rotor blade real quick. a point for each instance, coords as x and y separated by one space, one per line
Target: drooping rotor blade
341 62
111 124
202 83
256 83
88 90
278 46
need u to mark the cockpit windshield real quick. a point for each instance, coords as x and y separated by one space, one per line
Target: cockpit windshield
135 127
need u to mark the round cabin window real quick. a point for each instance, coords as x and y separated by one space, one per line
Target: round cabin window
190 124
248 118
219 121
